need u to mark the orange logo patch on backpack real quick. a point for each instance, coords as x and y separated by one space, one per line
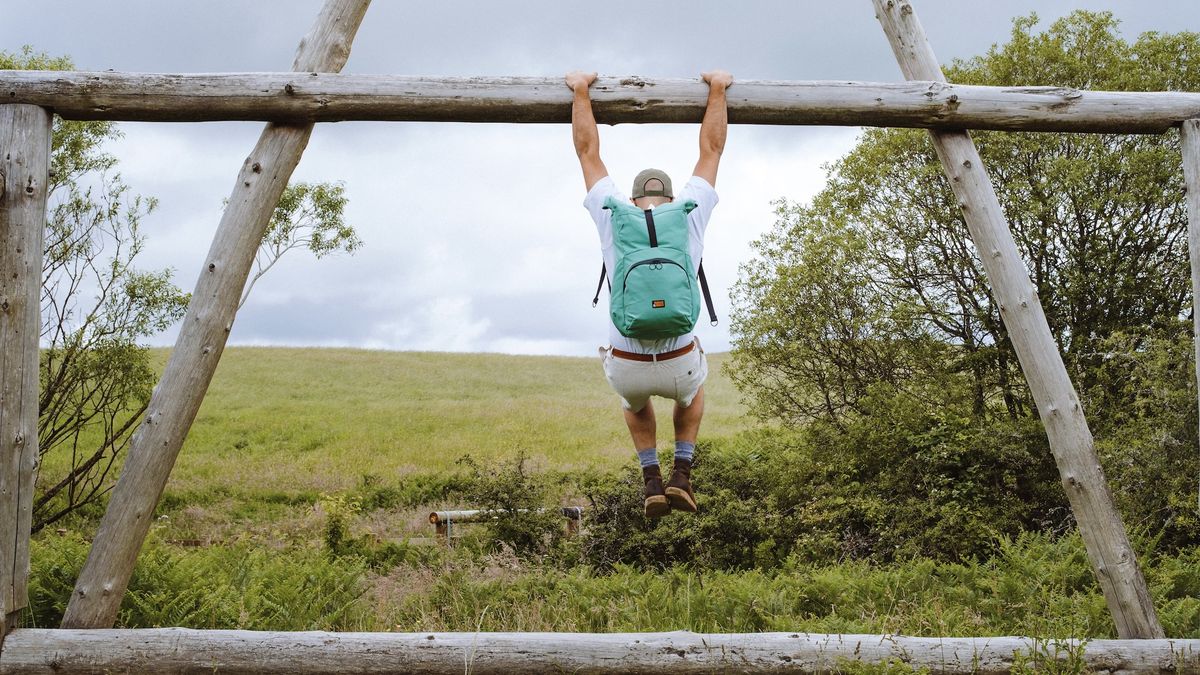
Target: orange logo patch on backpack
658 304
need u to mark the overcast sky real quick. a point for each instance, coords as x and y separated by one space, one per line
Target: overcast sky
475 237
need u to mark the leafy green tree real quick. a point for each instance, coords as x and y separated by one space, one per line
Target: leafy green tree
96 305
308 216
876 282
867 319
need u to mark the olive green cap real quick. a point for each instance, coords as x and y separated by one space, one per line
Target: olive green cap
639 184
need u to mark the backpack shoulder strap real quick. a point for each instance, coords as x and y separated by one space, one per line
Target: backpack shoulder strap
600 285
712 313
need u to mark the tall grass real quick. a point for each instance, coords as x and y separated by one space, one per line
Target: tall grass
1037 586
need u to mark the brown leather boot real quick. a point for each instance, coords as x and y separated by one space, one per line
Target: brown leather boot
679 488
657 505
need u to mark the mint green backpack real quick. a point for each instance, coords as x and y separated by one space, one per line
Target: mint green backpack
653 294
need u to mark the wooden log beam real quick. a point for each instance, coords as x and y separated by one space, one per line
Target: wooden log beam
175 401
24 178
319 97
182 650
487 515
1190 144
1112 558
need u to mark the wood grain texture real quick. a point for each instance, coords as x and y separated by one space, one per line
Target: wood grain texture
181 650
24 179
1190 144
322 97
210 315
1100 523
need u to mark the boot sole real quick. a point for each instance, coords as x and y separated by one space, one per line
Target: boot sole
657 506
681 500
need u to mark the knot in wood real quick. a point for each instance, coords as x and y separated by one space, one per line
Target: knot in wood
967 163
256 167
4 306
289 88
29 188
634 81
19 439
212 266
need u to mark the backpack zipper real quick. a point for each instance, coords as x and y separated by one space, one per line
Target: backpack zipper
650 261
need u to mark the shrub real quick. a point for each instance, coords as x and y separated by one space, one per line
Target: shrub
528 520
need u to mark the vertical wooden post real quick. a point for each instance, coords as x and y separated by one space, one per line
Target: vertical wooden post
24 175
1189 135
175 401
1058 405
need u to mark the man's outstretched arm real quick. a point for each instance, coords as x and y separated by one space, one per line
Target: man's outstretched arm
583 128
713 128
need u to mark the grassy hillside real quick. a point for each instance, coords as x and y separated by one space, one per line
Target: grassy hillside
320 419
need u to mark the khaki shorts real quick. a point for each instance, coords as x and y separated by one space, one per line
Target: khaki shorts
636 381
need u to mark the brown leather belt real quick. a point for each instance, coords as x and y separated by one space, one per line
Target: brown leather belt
665 356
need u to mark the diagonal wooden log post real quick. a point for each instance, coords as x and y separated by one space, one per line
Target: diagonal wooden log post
24 175
176 399
1189 136
1100 523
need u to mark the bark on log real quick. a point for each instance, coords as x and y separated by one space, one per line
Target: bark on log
1190 144
181 650
24 179
313 97
1100 523
176 399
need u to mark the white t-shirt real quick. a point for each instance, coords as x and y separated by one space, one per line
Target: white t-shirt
697 190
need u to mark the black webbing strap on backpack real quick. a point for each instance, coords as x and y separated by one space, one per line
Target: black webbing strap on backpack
650 229
712 313
654 244
603 276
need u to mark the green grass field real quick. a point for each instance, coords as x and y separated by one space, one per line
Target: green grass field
289 438
320 419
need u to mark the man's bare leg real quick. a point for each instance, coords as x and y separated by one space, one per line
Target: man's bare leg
642 427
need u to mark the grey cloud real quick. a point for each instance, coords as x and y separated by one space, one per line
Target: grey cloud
475 238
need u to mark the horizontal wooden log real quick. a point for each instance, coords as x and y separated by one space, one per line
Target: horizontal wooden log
181 650
326 97
485 515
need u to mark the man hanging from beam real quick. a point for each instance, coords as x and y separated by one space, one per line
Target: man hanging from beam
652 257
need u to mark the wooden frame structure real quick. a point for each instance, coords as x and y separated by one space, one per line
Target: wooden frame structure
314 92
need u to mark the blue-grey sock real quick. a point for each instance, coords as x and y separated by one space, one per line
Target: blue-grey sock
684 450
648 457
